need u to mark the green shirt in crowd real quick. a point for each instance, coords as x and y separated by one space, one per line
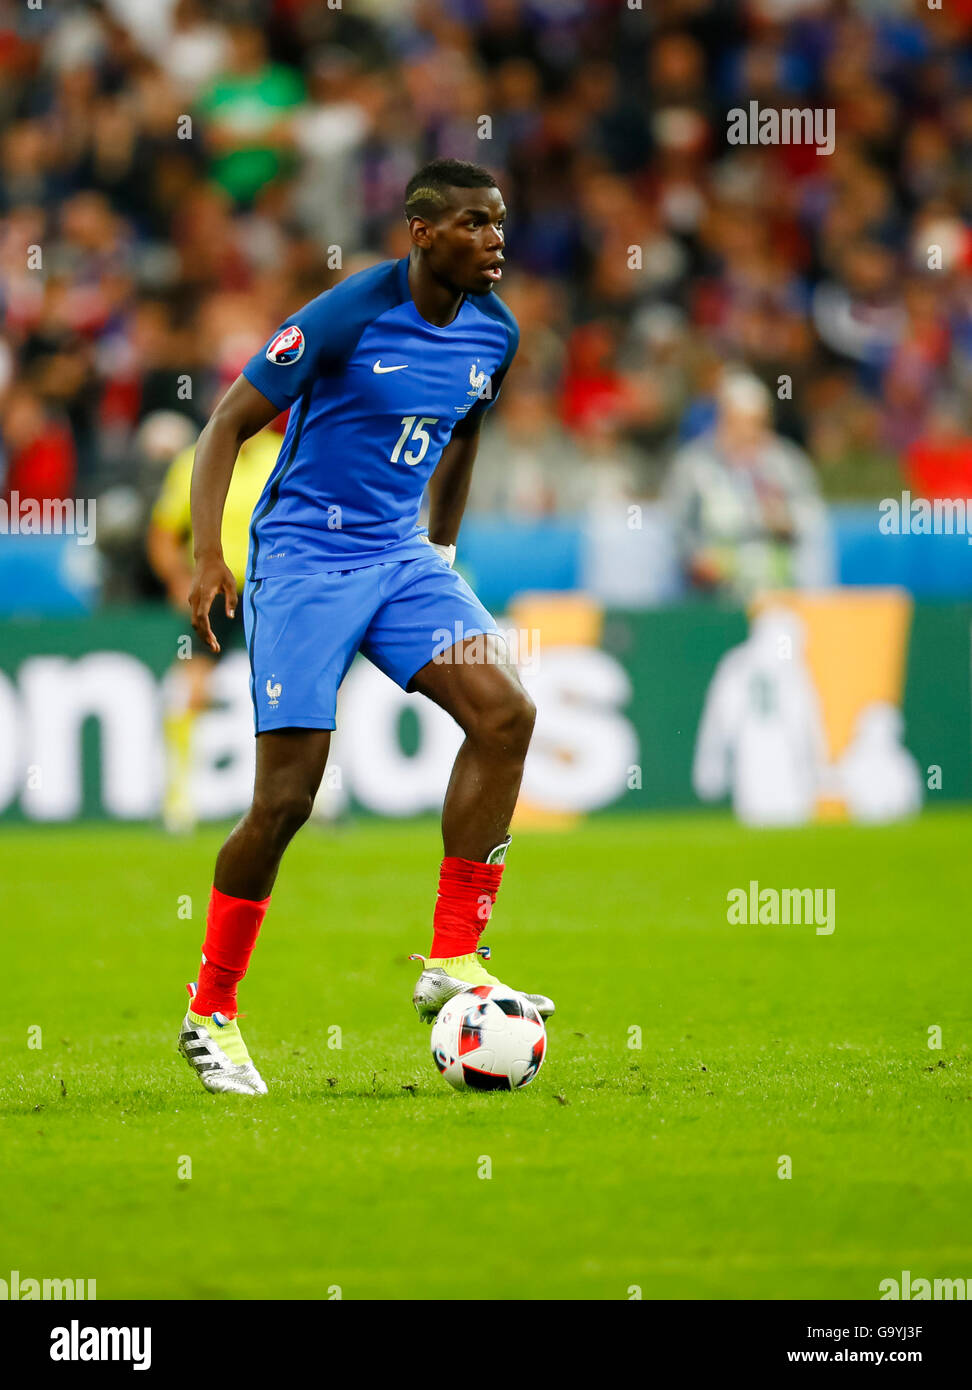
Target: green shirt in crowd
248 103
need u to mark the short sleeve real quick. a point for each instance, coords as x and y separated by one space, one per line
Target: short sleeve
320 337
299 351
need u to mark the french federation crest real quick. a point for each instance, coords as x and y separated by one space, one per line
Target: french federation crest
286 347
479 382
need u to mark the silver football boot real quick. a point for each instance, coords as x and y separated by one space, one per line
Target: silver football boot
440 981
215 1050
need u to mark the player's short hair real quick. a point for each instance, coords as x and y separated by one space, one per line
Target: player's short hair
427 192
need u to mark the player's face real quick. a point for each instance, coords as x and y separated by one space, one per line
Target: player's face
465 246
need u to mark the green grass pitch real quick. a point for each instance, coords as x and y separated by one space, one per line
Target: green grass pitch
618 1168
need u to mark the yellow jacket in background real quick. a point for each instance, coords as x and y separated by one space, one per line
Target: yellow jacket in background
254 462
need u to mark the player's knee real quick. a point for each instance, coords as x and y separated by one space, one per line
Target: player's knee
506 726
281 813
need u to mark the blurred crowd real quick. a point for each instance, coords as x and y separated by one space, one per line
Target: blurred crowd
176 176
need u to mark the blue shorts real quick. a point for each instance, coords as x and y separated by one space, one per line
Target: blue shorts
302 632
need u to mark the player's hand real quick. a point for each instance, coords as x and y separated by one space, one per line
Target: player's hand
212 576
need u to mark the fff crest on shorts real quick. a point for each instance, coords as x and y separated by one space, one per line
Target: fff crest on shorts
286 347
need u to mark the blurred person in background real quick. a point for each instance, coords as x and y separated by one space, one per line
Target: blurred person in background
170 552
746 503
56 359
858 313
125 504
845 440
594 386
247 110
614 470
39 462
328 133
918 363
528 465
197 49
939 462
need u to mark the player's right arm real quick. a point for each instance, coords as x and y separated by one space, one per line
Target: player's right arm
241 413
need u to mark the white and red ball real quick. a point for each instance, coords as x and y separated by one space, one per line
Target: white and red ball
488 1039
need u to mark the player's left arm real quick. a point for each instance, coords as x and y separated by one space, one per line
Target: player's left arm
449 484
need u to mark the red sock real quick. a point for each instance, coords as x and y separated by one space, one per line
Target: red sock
232 926
467 891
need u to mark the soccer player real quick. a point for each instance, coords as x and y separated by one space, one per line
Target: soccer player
388 377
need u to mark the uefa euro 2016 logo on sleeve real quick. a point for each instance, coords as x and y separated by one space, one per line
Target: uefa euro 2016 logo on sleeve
286 347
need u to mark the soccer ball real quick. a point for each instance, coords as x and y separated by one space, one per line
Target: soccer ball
488 1039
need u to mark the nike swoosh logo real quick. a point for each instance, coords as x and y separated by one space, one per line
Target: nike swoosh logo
379 370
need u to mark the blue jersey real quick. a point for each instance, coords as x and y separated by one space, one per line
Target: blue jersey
375 392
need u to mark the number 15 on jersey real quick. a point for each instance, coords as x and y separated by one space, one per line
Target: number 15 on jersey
414 431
